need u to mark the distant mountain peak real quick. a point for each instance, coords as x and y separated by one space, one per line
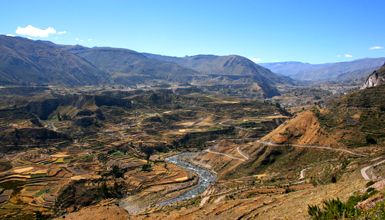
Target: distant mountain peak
354 70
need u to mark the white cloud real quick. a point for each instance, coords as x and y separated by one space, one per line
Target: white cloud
10 35
376 48
255 59
346 55
32 31
61 32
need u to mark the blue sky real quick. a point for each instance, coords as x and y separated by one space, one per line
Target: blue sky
314 31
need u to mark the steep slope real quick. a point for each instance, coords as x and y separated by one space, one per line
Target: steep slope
129 67
353 120
303 129
233 67
23 61
375 79
342 71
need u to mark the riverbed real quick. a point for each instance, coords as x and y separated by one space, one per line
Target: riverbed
206 177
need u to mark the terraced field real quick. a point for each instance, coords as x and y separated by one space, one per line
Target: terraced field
70 149
72 153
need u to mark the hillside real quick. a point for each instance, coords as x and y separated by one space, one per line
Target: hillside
232 67
353 120
224 65
305 128
130 67
23 61
342 71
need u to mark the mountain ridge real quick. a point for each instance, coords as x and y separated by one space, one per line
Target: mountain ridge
23 61
125 65
27 62
230 66
355 70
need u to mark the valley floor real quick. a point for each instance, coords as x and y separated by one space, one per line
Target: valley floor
111 155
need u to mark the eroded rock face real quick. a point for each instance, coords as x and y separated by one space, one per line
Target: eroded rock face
375 79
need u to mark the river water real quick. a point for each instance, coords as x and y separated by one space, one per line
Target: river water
206 177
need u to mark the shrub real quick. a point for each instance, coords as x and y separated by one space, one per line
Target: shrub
370 140
371 182
117 172
148 151
146 167
288 190
333 209
334 179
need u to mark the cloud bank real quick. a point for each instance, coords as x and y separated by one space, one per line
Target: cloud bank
32 31
376 48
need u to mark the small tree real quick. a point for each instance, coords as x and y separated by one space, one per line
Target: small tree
59 116
146 167
17 137
117 172
334 179
148 151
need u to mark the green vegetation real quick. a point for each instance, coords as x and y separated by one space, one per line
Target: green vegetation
336 209
117 172
38 175
117 154
378 212
248 124
146 167
86 157
41 192
148 151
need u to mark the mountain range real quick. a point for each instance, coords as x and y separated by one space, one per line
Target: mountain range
353 71
224 69
28 62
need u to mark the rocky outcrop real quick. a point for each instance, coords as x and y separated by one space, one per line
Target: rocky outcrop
375 79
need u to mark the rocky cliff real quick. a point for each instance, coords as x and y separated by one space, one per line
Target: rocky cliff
375 79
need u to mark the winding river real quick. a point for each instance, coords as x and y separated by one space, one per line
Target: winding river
206 178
